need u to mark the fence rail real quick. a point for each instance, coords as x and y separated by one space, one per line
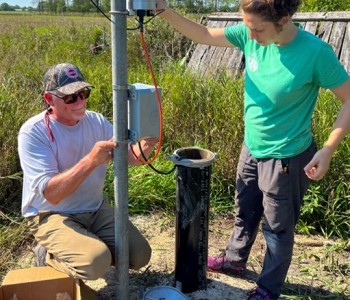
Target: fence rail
332 27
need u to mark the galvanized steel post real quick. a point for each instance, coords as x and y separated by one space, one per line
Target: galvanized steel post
120 128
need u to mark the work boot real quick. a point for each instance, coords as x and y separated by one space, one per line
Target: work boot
39 256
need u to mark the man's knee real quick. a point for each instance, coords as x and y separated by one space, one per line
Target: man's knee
141 258
98 265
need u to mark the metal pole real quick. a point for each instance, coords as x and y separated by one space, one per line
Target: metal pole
120 95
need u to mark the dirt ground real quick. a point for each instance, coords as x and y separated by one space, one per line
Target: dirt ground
318 270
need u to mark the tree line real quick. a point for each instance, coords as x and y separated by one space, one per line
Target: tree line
62 6
8 7
189 6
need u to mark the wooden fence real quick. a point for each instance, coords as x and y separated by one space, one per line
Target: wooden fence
332 27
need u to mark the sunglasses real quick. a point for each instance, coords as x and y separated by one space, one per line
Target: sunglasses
72 98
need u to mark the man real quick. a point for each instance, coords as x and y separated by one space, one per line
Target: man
64 152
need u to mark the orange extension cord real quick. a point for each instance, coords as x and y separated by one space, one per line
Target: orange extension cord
160 140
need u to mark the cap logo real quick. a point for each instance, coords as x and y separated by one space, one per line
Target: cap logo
72 73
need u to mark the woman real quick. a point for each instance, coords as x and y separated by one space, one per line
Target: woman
285 68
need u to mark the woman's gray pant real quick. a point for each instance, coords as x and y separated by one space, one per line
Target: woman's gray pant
272 190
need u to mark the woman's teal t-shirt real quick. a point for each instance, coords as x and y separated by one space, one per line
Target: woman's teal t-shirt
281 89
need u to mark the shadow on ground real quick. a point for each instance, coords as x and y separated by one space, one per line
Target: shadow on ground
301 291
142 281
219 287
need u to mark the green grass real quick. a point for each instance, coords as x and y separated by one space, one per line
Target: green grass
197 112
320 267
325 5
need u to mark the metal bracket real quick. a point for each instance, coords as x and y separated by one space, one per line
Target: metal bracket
118 12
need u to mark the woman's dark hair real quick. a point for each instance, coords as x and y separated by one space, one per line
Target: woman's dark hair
270 10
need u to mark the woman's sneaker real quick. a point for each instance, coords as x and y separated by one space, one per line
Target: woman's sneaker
221 264
258 294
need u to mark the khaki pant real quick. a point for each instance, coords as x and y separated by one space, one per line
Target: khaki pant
82 245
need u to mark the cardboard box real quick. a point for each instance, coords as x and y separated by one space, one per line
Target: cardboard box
42 283
1 297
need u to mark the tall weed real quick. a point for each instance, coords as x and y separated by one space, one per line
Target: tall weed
324 5
326 205
197 111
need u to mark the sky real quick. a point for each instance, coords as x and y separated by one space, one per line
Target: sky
21 3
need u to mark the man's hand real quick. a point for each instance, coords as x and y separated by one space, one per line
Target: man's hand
102 152
151 142
161 5
135 156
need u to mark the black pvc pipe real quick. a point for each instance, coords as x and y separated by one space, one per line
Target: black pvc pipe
193 172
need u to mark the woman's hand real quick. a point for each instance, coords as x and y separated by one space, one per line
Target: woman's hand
319 164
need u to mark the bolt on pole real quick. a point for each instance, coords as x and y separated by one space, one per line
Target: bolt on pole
120 130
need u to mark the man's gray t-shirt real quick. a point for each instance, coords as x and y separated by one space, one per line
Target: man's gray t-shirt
42 158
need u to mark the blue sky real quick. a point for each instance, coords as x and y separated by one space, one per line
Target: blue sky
21 3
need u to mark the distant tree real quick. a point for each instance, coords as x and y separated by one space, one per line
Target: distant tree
106 5
50 6
61 6
41 6
6 7
82 6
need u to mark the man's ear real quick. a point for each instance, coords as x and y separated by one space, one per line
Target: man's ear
48 99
